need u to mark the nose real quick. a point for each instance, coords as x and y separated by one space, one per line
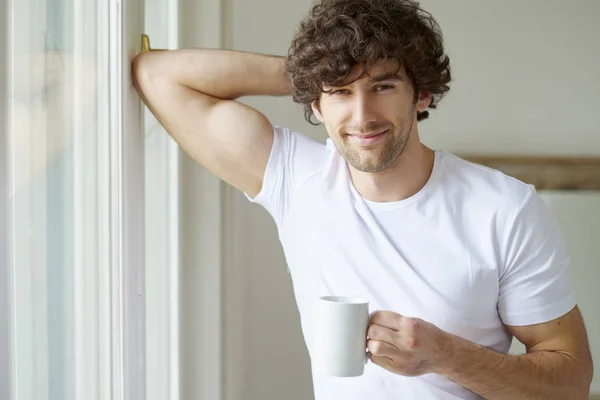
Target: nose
363 112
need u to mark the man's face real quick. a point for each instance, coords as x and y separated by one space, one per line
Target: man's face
370 120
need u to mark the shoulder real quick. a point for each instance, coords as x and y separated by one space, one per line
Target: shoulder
484 186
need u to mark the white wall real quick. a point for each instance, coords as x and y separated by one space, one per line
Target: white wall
201 334
525 77
270 359
525 81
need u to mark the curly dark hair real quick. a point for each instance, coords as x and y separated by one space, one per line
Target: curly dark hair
339 35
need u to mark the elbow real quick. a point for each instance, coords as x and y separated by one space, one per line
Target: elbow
149 68
140 71
152 74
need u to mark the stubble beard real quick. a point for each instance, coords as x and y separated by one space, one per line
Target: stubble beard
377 160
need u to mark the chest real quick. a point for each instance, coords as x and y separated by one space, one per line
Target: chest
413 263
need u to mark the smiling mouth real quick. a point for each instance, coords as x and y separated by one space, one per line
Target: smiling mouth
368 138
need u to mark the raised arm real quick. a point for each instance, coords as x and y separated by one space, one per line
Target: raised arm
192 93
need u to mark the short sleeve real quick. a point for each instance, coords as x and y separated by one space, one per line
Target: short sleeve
294 158
534 286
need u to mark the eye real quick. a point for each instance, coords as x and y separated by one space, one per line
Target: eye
380 88
340 92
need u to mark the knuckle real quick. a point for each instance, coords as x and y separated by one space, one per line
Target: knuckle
411 325
410 333
411 342
373 331
414 323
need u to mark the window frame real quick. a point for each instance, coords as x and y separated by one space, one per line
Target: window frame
113 287
5 352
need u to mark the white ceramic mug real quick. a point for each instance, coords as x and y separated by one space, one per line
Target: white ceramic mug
340 336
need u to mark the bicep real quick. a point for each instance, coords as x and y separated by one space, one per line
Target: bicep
565 334
228 138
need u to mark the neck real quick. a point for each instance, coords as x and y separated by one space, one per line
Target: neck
401 180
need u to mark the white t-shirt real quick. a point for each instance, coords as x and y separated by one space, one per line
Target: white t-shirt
473 250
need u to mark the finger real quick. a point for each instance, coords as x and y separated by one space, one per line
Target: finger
382 349
384 362
382 333
387 319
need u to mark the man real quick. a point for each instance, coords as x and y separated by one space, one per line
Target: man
457 257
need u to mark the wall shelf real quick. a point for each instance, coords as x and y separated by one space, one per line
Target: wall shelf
546 173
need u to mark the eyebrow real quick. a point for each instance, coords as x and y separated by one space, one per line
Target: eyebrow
386 77
392 77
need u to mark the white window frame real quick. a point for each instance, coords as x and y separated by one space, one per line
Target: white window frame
5 295
126 214
161 24
109 362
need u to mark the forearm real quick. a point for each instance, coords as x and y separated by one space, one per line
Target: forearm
493 375
222 74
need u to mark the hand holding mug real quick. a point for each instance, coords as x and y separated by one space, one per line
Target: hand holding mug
403 345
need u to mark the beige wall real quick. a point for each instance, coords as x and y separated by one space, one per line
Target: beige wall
525 81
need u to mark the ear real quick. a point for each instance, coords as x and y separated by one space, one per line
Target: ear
424 100
316 110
